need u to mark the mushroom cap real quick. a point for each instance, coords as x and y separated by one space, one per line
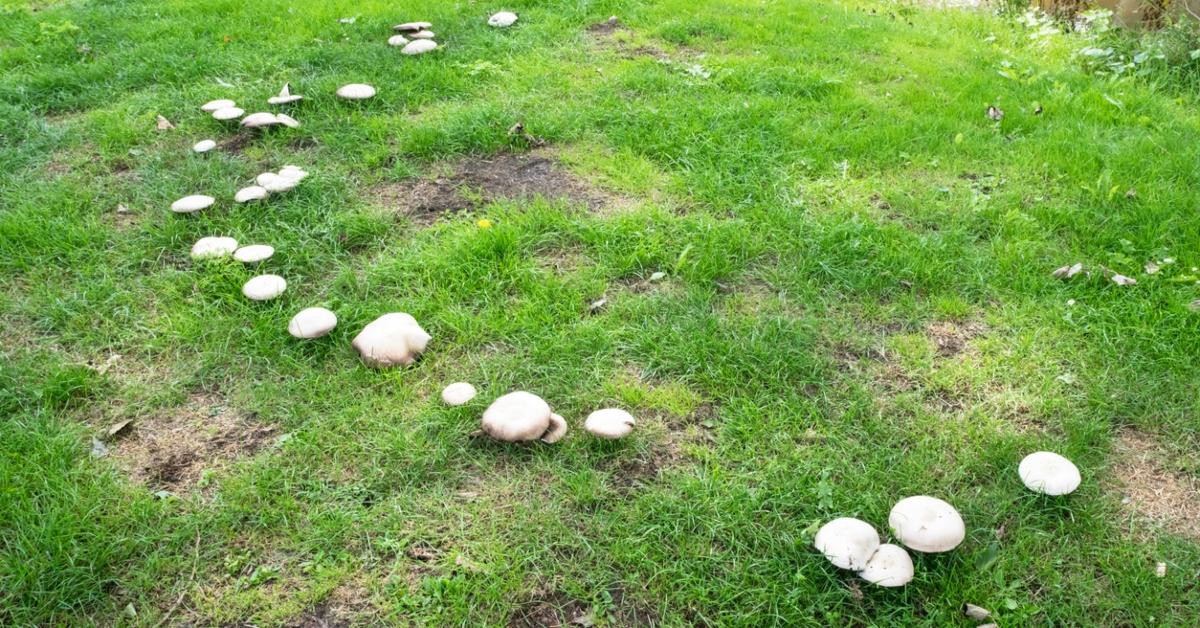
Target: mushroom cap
397 40
251 193
847 542
253 253
422 34
287 121
891 566
502 19
517 416
458 393
356 91
260 119
195 202
558 429
610 423
220 103
285 96
419 46
312 322
927 524
293 172
228 113
1049 473
264 287
203 146
411 26
275 183
390 340
213 246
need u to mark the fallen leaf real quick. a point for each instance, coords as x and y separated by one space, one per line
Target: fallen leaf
1122 280
1067 272
118 427
995 113
122 209
978 613
597 305
164 124
1151 268
586 620
659 276
421 552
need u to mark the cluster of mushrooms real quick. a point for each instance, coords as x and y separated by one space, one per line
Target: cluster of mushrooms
926 524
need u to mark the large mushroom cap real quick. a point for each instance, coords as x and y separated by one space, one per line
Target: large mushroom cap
221 103
252 193
253 253
522 416
228 113
390 340
891 566
264 287
213 246
458 393
1049 473
285 96
356 91
422 35
502 19
847 542
409 27
260 119
193 203
397 40
419 46
610 423
203 146
312 322
293 172
927 524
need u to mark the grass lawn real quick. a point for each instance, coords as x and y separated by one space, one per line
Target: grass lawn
857 306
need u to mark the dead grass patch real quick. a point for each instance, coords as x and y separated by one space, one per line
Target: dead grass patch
347 605
952 338
549 608
1151 489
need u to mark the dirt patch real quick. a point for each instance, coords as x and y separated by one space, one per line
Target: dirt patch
237 143
606 28
173 451
953 338
347 605
550 610
1167 499
477 181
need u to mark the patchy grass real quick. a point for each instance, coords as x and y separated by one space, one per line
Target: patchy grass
856 305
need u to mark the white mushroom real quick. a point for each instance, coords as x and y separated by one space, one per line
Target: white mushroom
213 105
189 204
1049 473
411 26
390 340
203 146
419 46
397 40
260 119
213 246
458 393
253 253
264 287
356 91
610 423
287 121
927 524
522 416
422 35
502 19
285 96
228 113
312 322
847 542
275 183
891 566
293 172
252 193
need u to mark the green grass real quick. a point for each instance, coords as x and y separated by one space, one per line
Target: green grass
827 196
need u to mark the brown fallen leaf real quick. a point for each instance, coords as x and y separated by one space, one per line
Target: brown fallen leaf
978 613
1122 280
118 427
164 124
597 305
1067 272
421 552
995 113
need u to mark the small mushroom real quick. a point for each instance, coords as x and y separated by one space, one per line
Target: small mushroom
287 121
847 542
458 393
252 193
285 96
610 423
293 172
978 613
503 19
419 46
397 40
422 35
260 119
221 103
264 287
312 322
193 203
927 524
409 27
390 340
213 246
890 566
203 146
254 253
522 416
228 113
274 183
1049 473
356 91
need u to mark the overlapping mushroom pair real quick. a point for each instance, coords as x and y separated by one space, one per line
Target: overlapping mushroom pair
268 183
922 523
413 38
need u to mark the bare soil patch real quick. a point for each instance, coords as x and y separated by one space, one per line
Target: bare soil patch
173 451
348 605
1151 489
605 28
477 181
953 338
555 609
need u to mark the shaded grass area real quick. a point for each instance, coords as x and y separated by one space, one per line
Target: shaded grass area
858 307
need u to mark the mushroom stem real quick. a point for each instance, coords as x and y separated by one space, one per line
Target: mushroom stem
557 429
